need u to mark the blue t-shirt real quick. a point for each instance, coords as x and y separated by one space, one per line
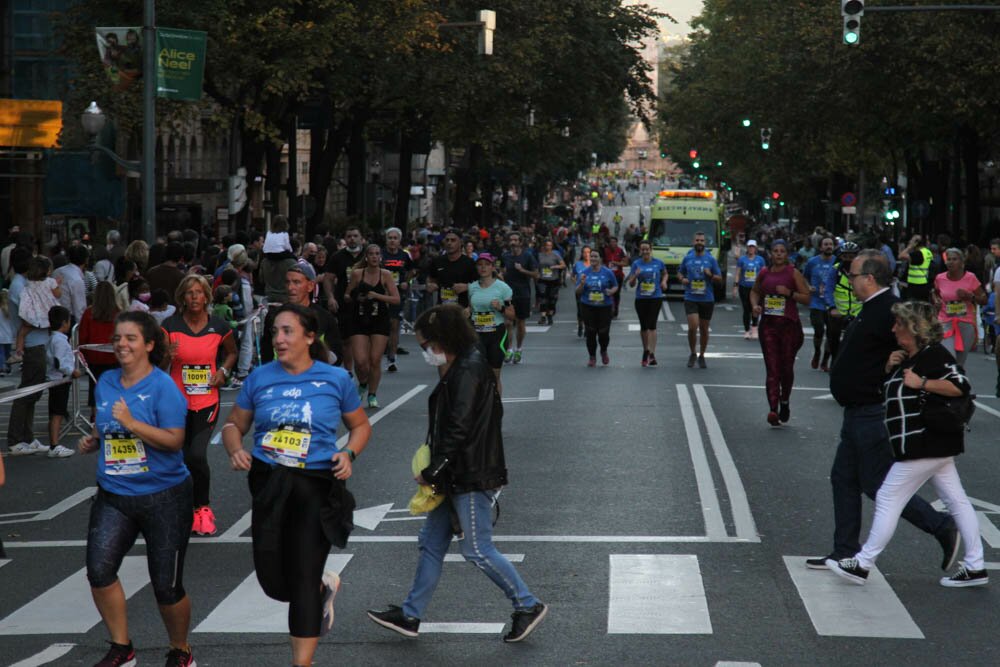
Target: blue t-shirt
125 464
579 266
817 272
595 282
648 276
295 417
693 268
749 269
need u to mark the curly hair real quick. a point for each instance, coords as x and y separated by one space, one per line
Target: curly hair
920 319
447 327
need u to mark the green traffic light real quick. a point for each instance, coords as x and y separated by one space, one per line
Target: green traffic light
719 163
850 37
746 122
696 164
765 145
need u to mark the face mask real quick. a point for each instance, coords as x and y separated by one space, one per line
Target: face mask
435 358
144 297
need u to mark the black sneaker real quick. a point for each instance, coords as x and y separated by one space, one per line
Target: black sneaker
119 655
401 350
819 563
652 360
579 331
523 623
394 619
848 569
950 543
701 361
965 578
180 658
692 360
392 367
784 412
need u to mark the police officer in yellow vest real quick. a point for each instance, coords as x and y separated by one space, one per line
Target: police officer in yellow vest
843 303
918 277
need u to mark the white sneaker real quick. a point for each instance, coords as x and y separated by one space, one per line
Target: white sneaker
22 449
39 447
60 452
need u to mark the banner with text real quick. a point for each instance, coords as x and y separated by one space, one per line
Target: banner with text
180 59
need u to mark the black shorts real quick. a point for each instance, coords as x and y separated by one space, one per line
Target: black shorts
373 326
495 345
346 322
522 307
703 309
59 400
648 311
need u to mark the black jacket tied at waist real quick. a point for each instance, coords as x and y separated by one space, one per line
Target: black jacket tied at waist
465 424
271 488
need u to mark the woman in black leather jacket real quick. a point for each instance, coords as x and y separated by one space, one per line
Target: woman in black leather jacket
467 464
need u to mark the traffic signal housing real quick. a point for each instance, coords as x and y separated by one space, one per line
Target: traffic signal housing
852 11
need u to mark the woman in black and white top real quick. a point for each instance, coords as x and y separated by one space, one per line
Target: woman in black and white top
922 367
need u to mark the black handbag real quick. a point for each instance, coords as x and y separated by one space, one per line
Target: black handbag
946 414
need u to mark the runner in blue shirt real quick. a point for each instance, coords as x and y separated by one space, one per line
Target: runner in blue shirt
650 274
595 289
748 267
698 271
298 473
817 272
579 267
143 486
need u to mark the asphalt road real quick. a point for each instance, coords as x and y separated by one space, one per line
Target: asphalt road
653 509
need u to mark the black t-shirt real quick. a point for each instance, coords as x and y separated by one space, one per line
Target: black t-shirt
398 263
340 265
447 273
519 283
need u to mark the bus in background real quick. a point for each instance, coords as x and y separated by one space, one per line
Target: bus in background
674 218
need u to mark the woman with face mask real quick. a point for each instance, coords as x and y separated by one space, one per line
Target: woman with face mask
467 465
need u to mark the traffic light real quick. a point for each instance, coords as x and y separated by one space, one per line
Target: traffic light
746 122
696 164
719 163
693 154
775 195
852 11
238 191
663 154
765 138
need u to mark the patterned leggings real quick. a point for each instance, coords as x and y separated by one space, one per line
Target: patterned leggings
780 340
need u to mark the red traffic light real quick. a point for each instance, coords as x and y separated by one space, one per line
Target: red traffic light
775 195
693 153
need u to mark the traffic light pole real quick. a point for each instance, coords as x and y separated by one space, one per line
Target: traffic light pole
149 122
934 8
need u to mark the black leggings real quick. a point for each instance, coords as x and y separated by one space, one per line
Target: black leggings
648 311
164 519
748 317
304 548
197 433
597 321
818 319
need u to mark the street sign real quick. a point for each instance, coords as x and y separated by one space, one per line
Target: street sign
848 199
849 210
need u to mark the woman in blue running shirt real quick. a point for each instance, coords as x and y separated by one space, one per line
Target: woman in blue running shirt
650 275
578 267
749 266
595 289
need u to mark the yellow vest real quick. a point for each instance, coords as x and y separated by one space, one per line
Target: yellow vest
843 295
917 275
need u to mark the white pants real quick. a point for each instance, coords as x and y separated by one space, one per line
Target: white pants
904 479
245 358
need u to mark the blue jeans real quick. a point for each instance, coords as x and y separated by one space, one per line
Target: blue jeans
475 516
861 463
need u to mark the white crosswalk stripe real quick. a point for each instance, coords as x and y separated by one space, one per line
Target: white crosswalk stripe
648 594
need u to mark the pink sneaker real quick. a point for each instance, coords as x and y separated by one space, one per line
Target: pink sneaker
196 522
207 526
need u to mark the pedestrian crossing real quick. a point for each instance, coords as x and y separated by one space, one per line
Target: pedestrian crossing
647 594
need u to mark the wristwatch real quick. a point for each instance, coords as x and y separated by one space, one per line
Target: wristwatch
225 371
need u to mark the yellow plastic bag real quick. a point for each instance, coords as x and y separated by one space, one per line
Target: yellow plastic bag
424 500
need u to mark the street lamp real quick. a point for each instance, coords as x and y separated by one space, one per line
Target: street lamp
93 121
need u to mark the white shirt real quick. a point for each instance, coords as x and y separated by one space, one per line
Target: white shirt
74 290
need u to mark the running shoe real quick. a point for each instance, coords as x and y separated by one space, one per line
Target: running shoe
579 331
372 401
394 619
592 362
645 362
753 333
692 360
392 367
177 657
60 452
701 361
772 418
605 359
784 412
652 360
523 623
362 391
207 524
508 356
849 569
550 320
23 449
119 655
401 350
517 356
815 360
746 335
196 522
542 321
331 584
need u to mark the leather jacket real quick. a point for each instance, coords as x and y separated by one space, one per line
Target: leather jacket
465 420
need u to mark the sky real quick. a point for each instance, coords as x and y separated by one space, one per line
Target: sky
682 10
